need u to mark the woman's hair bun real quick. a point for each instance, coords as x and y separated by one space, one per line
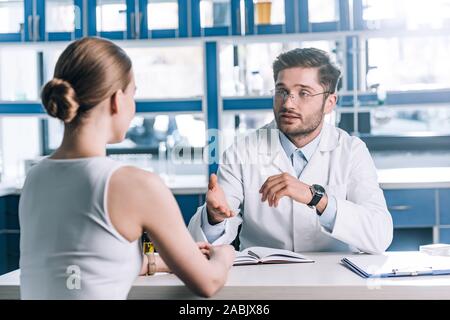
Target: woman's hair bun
60 100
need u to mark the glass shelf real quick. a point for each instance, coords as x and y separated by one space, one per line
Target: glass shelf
111 16
398 64
161 72
18 74
321 11
60 16
246 70
162 15
215 13
407 14
422 120
268 12
147 131
11 16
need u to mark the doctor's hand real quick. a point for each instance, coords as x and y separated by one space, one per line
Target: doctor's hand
216 202
205 248
281 185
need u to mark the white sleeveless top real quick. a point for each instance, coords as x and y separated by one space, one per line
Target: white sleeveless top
69 248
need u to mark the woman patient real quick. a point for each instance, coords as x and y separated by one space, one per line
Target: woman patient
82 214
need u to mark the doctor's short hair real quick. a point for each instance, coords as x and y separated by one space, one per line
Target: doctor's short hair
329 73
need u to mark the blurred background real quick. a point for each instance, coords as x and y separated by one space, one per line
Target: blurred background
206 64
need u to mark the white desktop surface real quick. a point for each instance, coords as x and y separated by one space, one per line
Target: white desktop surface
324 279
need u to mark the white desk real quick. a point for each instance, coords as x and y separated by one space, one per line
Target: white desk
324 279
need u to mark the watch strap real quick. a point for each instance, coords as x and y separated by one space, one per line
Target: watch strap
315 199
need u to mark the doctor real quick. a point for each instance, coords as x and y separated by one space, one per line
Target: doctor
297 183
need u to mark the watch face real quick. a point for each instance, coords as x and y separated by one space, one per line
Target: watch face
319 189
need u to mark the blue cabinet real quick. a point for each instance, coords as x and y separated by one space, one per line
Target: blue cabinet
444 206
42 20
9 233
14 28
412 207
409 239
53 20
142 19
12 250
3 253
2 213
58 20
414 214
12 212
188 205
113 20
444 235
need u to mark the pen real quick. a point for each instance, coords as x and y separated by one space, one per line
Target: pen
406 272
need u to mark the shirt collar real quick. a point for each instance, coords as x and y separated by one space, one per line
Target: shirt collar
307 150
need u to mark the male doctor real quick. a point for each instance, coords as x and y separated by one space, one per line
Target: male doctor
297 183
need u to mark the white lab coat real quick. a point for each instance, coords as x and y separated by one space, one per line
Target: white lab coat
341 164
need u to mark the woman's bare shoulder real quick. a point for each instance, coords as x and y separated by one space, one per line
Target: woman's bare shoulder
129 176
132 183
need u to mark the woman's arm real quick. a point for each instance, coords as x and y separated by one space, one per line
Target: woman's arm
139 200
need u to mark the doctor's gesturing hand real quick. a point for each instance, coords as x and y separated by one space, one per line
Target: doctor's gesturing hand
283 184
216 202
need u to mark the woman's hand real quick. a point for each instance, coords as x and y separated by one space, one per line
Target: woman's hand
161 266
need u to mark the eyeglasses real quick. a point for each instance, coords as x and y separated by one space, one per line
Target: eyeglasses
303 96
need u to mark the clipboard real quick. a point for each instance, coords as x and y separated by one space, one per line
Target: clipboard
397 264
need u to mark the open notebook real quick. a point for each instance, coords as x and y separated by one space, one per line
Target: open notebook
255 255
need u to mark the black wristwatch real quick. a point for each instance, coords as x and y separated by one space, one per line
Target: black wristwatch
317 192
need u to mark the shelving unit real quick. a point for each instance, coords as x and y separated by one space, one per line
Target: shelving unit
349 33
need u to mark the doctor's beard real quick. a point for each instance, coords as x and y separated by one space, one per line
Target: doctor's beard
302 126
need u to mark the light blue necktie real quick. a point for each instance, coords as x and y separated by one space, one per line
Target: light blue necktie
298 162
